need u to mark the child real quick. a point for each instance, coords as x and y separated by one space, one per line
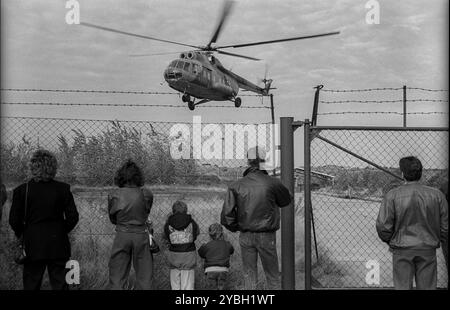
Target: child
181 231
217 254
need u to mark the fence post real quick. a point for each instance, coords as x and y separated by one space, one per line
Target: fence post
307 198
404 105
316 105
287 213
273 148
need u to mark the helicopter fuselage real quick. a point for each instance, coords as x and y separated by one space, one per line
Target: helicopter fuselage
201 76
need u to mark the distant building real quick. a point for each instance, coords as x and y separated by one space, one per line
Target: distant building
318 179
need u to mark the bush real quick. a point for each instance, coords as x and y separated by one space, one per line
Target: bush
93 160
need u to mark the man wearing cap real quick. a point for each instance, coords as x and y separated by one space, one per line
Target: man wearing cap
252 207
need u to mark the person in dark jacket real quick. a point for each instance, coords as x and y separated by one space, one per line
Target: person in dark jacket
413 221
3 197
129 208
252 207
217 254
181 231
444 189
43 212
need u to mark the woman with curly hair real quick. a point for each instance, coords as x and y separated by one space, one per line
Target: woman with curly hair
42 214
129 207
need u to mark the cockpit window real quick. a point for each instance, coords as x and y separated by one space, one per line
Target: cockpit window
173 63
180 64
195 68
186 66
225 81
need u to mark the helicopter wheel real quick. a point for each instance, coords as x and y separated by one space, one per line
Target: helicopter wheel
191 105
237 102
185 98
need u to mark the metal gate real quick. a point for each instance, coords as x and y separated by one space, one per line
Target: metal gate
341 245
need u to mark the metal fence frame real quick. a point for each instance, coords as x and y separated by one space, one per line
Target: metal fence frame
311 131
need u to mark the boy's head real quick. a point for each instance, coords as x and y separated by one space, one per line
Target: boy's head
411 167
215 231
179 207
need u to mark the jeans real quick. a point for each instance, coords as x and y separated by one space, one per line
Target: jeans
421 267
216 280
264 244
131 247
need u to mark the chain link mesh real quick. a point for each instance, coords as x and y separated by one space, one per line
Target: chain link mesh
89 152
345 205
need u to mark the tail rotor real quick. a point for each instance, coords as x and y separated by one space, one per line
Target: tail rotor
267 82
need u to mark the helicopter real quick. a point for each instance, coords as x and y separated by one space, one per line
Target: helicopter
198 74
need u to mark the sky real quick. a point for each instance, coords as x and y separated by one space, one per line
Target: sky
409 47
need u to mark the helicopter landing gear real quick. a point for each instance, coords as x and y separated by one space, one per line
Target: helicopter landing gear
237 102
191 105
185 98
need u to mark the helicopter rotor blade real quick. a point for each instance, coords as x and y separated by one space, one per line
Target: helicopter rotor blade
228 4
280 40
154 54
133 34
237 55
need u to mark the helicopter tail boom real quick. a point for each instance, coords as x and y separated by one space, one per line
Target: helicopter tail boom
247 85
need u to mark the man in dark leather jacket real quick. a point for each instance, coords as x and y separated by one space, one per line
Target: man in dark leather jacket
444 189
3 196
251 207
413 220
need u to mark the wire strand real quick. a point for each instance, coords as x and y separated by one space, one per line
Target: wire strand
427 89
397 113
109 120
360 90
128 105
100 91
383 101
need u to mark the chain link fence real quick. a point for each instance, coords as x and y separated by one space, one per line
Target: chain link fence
345 205
175 164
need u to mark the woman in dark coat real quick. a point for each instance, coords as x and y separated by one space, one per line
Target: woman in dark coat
129 207
44 222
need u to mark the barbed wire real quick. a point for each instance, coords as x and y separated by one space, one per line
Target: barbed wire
109 120
360 101
376 112
383 101
88 91
101 91
128 105
380 89
359 90
427 89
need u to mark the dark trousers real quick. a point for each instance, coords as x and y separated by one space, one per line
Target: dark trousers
444 246
262 244
422 268
33 272
216 280
131 247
